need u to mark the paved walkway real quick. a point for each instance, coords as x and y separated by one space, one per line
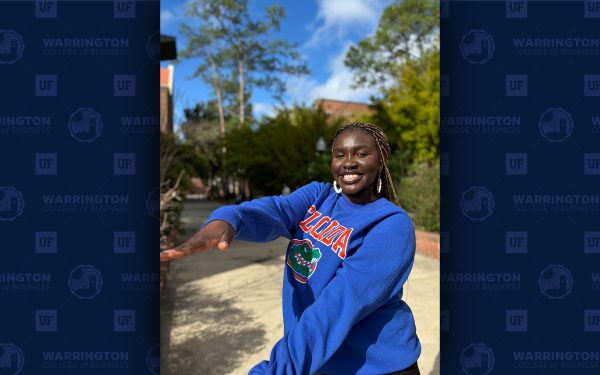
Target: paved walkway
221 311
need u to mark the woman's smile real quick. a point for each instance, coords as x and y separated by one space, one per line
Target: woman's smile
355 165
351 178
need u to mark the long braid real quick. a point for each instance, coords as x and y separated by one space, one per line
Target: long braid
383 146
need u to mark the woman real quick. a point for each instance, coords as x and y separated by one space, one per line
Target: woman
351 251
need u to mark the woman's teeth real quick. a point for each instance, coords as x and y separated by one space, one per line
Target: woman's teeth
350 178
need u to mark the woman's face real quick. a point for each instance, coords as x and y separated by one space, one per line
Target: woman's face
355 165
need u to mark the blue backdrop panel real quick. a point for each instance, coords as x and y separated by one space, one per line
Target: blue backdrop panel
79 151
520 237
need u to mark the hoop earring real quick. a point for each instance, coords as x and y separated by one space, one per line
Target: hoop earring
379 185
336 187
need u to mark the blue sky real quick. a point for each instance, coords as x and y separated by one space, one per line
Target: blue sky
323 30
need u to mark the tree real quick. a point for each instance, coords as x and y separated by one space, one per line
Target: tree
201 129
207 44
406 30
282 150
238 46
414 108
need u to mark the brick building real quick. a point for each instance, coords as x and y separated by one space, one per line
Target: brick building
166 99
344 109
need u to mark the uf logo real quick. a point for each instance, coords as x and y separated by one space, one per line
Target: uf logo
85 282
124 85
591 320
45 164
477 359
124 9
11 46
46 320
45 242
124 242
45 84
591 9
477 46
124 320
555 125
591 164
591 242
591 85
555 282
45 9
516 242
477 203
516 320
516 164
516 9
516 85
11 359
124 164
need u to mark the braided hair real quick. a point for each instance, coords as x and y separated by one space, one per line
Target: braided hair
383 147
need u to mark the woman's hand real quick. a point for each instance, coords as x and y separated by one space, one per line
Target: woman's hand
217 233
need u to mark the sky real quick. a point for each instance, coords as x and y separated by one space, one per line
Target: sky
323 30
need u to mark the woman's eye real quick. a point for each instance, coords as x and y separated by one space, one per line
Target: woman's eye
339 156
362 154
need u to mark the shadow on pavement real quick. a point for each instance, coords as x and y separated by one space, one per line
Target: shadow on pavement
210 325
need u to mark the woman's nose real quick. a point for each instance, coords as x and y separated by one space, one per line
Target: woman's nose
349 162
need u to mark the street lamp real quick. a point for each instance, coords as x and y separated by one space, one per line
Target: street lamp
320 145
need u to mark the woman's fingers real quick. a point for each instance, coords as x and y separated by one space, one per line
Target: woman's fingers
226 239
217 234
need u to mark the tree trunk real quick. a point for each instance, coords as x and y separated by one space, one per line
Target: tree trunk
219 97
241 92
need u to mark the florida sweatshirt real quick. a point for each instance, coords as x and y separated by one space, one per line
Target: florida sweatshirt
345 268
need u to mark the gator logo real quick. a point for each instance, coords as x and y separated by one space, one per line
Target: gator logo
303 259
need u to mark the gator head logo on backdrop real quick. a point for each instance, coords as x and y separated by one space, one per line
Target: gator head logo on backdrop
302 259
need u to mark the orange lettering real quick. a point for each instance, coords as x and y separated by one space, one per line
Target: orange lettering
321 222
312 217
341 243
330 232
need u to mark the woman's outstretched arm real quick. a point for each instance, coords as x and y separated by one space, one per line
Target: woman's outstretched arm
259 220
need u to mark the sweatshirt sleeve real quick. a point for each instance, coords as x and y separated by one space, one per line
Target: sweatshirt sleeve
268 218
369 278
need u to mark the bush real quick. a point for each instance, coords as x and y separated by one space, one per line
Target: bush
419 194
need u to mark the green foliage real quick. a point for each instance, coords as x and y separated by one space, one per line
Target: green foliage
176 157
413 107
419 195
407 29
405 51
201 129
281 150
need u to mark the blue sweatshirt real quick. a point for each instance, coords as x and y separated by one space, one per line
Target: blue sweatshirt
345 267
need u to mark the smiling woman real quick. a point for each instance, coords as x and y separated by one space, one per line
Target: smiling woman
360 154
351 250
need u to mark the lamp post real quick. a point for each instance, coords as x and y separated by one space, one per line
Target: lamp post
320 146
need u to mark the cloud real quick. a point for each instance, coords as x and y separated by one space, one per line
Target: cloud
167 18
337 86
337 18
262 109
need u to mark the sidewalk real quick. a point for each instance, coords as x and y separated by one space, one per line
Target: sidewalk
221 311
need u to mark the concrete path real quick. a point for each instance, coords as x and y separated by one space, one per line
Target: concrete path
221 311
